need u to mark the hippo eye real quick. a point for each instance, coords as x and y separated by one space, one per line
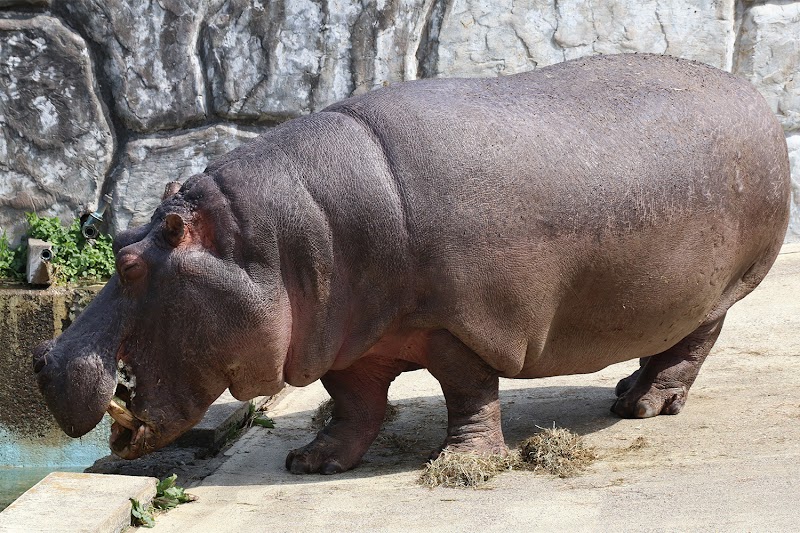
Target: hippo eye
130 268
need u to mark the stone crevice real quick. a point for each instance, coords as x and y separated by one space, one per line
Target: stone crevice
165 69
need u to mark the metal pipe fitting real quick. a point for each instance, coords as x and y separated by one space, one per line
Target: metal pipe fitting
90 228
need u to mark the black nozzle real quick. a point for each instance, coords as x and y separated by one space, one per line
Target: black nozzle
90 228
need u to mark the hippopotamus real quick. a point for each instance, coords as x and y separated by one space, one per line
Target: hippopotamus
547 223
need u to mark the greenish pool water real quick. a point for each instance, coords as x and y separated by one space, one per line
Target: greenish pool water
15 481
24 461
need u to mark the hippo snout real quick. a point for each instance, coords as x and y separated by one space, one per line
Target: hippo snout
76 387
40 353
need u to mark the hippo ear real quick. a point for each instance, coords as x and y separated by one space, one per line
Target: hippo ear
171 188
174 228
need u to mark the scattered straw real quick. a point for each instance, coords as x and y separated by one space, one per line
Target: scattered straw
324 414
460 469
557 451
396 443
638 443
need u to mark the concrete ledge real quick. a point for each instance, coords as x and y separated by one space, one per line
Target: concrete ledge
226 415
66 501
193 455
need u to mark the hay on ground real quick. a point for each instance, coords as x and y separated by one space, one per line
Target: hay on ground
460 469
397 443
638 443
558 451
324 414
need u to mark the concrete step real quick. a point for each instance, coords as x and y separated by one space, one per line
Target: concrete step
69 501
223 418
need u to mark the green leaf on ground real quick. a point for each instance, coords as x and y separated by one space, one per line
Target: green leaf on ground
168 496
141 515
263 421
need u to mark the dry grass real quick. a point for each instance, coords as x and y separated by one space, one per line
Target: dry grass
638 443
394 443
324 413
466 470
557 451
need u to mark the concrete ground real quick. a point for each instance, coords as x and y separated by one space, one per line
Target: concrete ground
729 462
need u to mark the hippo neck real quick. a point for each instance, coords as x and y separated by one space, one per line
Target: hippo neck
326 192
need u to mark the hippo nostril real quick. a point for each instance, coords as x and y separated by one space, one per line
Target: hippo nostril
38 365
40 355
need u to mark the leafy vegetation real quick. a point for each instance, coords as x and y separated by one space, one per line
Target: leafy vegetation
12 260
74 257
263 421
141 515
168 496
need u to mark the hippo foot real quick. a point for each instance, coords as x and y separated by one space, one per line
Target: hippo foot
626 384
658 400
324 455
482 445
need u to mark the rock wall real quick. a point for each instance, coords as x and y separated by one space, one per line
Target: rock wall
122 96
29 436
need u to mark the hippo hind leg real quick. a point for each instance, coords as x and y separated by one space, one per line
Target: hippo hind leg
359 395
625 384
661 384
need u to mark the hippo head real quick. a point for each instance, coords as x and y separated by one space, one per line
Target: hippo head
187 315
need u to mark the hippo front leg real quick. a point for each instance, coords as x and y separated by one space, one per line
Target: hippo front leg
470 388
661 384
359 395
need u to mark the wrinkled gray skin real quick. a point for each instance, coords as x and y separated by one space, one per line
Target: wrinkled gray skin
526 226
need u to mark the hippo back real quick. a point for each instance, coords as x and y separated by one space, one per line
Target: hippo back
586 213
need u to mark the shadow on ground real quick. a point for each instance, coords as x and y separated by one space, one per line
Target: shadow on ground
405 441
418 427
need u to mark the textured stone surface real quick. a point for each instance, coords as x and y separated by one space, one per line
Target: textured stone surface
180 64
28 317
147 165
262 58
147 53
276 60
479 38
55 142
23 3
68 501
386 38
793 141
769 56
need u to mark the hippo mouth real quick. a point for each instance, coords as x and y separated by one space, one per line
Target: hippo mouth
130 436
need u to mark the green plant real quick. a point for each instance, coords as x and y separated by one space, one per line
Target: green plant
12 260
74 257
263 421
141 515
168 496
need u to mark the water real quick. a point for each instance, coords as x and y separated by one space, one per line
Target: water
24 461
15 481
